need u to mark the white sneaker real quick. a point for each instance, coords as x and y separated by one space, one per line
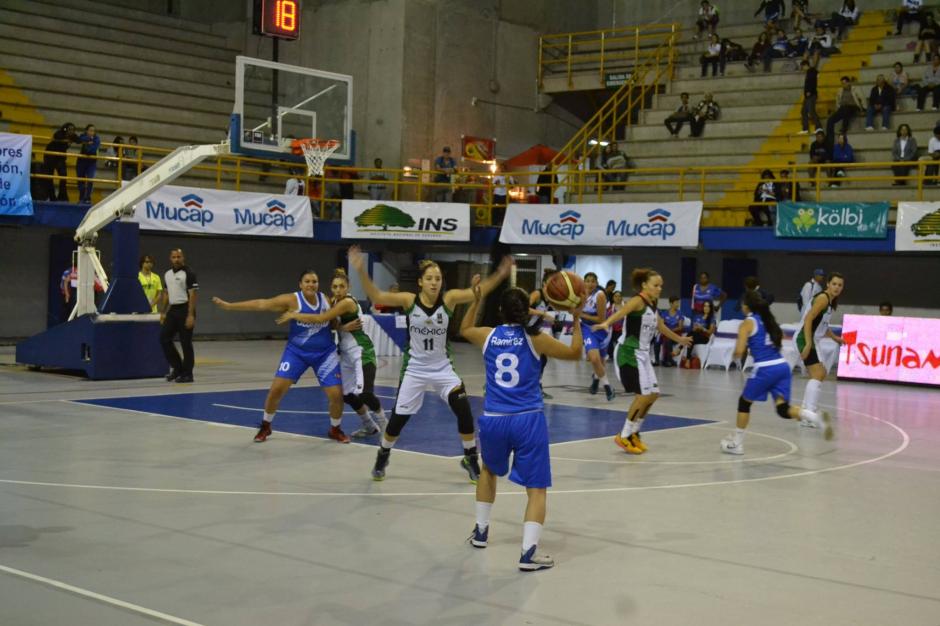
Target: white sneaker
809 424
803 132
869 128
728 446
530 561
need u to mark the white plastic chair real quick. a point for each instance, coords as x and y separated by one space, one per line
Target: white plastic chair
721 348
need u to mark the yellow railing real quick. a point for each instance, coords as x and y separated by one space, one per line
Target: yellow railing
706 184
600 51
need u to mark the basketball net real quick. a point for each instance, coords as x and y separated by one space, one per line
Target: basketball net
316 152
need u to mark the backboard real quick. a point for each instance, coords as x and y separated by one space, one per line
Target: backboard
277 102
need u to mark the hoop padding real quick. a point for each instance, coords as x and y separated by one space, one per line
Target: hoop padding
316 152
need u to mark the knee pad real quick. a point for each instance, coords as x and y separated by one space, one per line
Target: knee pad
354 401
395 424
744 406
370 400
783 410
460 405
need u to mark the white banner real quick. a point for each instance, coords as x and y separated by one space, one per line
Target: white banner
390 219
610 224
918 227
220 212
15 198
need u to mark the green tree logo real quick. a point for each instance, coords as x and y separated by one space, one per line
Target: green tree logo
805 219
383 216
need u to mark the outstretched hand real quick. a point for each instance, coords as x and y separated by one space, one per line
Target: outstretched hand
685 340
219 302
355 324
505 265
285 317
357 259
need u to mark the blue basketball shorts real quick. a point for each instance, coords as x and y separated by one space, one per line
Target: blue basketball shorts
594 340
325 365
525 436
770 379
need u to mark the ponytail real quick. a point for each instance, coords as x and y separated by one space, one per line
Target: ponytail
758 305
640 275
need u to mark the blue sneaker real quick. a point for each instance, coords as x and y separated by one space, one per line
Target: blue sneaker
531 562
479 537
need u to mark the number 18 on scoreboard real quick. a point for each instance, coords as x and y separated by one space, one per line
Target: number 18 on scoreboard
277 18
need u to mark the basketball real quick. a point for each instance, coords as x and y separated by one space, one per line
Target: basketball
564 290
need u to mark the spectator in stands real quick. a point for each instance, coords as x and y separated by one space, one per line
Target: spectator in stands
811 288
730 51
819 150
842 153
704 291
766 191
933 155
798 44
680 116
545 181
130 167
295 185
773 10
848 102
315 195
881 99
910 11
40 188
675 321
711 56
845 17
613 158
609 288
112 153
377 189
904 151
820 44
500 195
752 283
444 166
703 326
779 49
347 188
810 94
86 166
799 12
759 52
707 109
787 189
707 19
901 84
930 83
927 39
62 138
885 308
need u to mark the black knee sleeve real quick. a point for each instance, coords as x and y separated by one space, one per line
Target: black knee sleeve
353 401
744 406
783 410
370 400
460 405
395 424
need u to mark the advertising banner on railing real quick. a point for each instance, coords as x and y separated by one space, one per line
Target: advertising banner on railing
890 349
833 220
918 227
605 224
389 219
15 152
219 212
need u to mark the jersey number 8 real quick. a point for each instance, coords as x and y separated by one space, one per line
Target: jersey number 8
507 370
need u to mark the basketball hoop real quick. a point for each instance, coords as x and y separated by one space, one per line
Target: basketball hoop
316 152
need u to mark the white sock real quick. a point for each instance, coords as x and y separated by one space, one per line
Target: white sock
386 444
638 424
468 444
531 533
483 514
268 417
627 429
336 422
811 395
738 436
809 416
604 381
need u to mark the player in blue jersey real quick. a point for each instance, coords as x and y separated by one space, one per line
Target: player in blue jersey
760 334
596 341
309 345
512 420
542 317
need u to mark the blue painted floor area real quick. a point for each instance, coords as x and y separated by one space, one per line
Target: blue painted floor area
432 431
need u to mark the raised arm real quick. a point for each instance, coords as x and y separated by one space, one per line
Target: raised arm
346 306
551 347
277 304
636 303
468 330
357 261
744 331
453 297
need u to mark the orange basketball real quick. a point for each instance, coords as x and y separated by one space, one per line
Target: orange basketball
564 290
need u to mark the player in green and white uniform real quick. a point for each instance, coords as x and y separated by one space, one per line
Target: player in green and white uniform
633 358
814 326
426 362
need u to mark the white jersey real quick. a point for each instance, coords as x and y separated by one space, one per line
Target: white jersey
428 348
819 327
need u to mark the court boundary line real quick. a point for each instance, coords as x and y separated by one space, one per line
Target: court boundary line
98 597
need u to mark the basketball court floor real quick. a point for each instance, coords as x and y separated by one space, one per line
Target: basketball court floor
141 502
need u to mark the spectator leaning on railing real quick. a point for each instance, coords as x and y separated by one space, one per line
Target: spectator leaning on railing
766 191
129 166
787 190
86 166
62 138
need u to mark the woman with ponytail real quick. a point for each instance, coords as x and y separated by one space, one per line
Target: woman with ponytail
632 355
760 335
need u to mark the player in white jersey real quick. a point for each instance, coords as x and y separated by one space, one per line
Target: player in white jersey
426 362
596 341
513 421
632 356
310 345
813 327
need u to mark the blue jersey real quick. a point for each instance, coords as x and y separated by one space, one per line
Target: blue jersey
759 343
672 321
513 372
311 338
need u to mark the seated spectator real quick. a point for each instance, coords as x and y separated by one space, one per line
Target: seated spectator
759 52
377 189
779 49
910 11
933 155
845 17
927 39
930 83
901 84
842 153
797 44
881 99
703 326
130 167
675 321
766 191
819 151
706 109
904 151
799 12
848 104
787 189
731 51
773 10
707 19
712 56
680 116
885 308
820 44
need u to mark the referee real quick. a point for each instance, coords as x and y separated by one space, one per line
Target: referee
179 316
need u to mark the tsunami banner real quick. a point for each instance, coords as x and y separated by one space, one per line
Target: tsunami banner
218 212
606 224
389 219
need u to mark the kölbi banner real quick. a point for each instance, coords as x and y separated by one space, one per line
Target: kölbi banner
606 224
832 220
391 219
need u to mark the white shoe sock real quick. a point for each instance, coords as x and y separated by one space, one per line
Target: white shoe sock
604 381
811 395
268 417
336 422
738 436
531 533
468 444
386 444
483 514
638 425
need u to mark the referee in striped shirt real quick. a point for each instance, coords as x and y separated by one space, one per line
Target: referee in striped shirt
178 316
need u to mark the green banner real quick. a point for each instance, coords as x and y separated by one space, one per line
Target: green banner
833 220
